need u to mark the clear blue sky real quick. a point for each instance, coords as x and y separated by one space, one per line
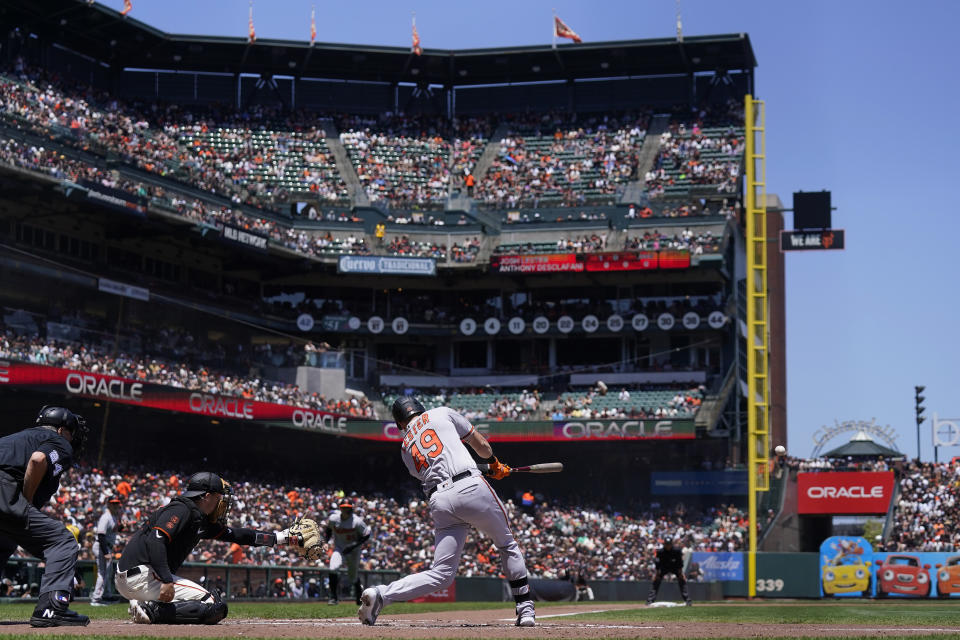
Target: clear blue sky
861 99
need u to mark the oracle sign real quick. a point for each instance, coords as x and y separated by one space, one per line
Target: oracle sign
838 492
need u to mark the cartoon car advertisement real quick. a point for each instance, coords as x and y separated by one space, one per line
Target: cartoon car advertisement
845 567
948 577
917 575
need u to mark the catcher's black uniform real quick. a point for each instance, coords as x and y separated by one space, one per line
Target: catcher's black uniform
669 560
158 549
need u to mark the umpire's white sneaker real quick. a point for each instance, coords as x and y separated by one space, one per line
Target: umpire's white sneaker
372 603
526 616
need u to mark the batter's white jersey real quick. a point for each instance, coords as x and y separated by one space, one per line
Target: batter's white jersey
348 531
433 448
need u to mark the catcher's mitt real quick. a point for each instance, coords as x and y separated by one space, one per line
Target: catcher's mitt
305 534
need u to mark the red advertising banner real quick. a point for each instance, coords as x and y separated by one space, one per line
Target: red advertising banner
674 259
537 263
842 493
154 396
627 261
68 382
607 261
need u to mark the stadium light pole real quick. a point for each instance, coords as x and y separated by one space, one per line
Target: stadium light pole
918 409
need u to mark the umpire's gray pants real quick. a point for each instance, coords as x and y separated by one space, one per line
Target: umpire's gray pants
23 525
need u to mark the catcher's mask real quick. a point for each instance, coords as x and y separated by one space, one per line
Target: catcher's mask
57 417
206 482
406 408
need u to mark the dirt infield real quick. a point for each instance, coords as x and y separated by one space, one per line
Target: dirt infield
553 623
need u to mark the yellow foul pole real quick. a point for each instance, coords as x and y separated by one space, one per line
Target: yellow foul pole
758 394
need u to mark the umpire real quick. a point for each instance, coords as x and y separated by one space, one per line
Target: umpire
669 560
31 463
145 571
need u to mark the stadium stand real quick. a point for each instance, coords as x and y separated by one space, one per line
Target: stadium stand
704 151
85 356
629 403
563 161
559 536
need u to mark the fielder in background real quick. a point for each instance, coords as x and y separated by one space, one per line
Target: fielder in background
459 498
349 533
31 463
145 571
669 560
107 528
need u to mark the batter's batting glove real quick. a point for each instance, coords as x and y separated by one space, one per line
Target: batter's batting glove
497 470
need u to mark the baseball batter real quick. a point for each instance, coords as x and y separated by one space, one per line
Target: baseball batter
349 533
460 497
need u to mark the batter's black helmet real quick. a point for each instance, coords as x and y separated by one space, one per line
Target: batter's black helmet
57 417
405 408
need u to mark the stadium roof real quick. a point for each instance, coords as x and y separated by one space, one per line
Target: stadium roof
103 34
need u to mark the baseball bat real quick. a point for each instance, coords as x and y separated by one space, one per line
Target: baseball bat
545 467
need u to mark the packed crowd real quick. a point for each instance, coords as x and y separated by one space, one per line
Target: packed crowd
686 240
172 373
567 161
256 156
928 511
557 537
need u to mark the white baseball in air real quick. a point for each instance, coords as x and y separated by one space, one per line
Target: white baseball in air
780 450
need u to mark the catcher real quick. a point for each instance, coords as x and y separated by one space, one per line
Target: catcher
145 571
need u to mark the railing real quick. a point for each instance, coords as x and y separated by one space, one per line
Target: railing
237 581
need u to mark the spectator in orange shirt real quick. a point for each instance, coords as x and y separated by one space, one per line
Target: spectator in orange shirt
235 554
124 488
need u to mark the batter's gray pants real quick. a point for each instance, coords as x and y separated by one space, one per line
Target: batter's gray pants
470 502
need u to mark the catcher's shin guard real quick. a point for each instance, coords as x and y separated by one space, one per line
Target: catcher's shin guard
208 611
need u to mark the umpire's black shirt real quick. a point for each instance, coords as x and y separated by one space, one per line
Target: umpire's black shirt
171 533
15 452
670 561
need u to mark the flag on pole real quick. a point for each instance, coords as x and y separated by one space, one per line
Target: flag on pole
313 24
127 6
416 48
561 30
251 34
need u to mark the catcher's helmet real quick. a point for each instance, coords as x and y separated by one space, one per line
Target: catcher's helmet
205 482
405 408
57 417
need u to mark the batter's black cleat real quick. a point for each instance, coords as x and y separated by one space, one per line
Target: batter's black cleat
52 611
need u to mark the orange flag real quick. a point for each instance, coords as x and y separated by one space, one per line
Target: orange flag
561 30
417 49
127 6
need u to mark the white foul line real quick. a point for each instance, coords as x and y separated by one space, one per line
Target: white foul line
561 615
